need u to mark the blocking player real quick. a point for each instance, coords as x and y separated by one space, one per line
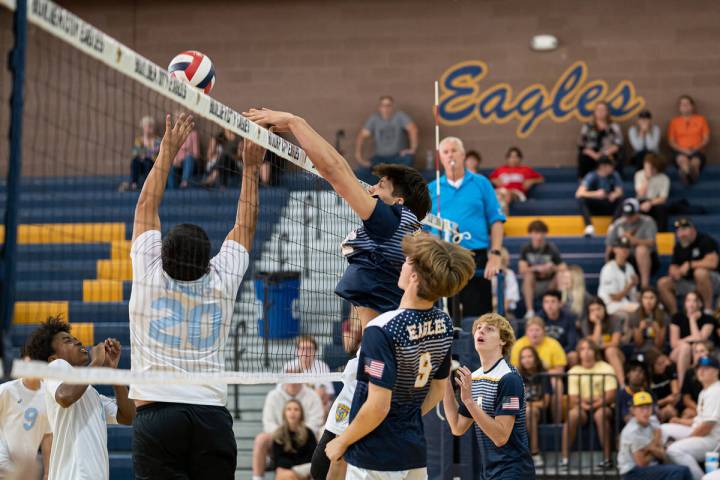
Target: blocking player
403 366
493 398
181 310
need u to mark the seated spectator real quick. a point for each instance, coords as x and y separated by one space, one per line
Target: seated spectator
688 135
224 153
648 325
599 193
511 293
394 134
145 150
636 380
601 138
472 161
691 386
575 297
592 387
293 444
272 418
694 267
184 162
694 437
605 330
644 138
692 325
307 361
652 189
513 181
641 454
618 281
664 384
560 324
539 262
538 390
640 231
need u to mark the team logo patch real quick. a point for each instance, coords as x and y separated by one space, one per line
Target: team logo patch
511 403
374 368
341 412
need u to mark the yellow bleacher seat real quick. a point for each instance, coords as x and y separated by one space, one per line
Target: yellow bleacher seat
68 233
665 243
120 250
114 269
102 291
37 312
84 331
558 225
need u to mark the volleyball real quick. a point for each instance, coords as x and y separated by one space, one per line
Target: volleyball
194 68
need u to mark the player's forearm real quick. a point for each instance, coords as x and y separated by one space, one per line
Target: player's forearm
126 407
450 405
487 424
247 211
153 189
66 395
45 448
434 396
326 159
368 419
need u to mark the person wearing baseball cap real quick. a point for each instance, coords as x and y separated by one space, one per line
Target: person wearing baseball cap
618 280
694 437
694 266
640 230
641 454
599 193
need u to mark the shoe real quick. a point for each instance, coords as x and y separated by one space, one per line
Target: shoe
589 231
529 314
538 460
605 464
564 464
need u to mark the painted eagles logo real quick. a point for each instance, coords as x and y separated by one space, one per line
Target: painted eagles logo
341 412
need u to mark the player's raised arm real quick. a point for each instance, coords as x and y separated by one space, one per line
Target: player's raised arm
247 211
148 204
329 163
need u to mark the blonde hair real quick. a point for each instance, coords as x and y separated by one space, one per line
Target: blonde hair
507 334
147 120
443 268
283 435
535 321
457 141
576 292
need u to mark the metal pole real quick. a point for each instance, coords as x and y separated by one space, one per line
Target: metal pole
9 251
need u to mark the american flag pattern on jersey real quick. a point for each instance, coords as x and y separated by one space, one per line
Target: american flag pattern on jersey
374 368
359 241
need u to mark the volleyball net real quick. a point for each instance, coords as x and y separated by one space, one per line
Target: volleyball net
93 116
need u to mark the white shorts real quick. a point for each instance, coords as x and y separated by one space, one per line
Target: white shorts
357 473
339 415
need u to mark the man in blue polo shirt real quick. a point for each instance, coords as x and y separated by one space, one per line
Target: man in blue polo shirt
469 200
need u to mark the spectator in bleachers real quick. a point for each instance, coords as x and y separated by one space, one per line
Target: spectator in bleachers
644 138
694 437
293 444
664 384
560 323
640 231
538 390
473 159
575 297
394 134
511 291
184 162
539 263
599 193
641 454
513 181
636 380
688 135
648 325
224 153
272 418
307 361
652 189
605 330
592 387
618 281
691 386
145 150
692 325
694 266
601 138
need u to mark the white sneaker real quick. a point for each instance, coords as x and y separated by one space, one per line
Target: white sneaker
529 314
589 231
538 460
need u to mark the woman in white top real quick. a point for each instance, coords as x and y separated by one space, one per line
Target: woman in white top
652 189
618 281
644 138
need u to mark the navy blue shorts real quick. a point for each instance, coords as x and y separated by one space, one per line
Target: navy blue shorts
370 286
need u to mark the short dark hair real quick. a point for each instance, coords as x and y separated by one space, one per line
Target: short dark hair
687 97
39 345
515 150
387 97
186 252
474 153
538 226
409 185
553 293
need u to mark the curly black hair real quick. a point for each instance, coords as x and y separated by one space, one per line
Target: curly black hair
408 184
39 345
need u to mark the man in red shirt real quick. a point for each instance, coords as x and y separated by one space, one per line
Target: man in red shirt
513 181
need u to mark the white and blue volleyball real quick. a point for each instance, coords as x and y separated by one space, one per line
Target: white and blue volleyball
194 68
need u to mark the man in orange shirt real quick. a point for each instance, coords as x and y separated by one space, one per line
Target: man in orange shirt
688 135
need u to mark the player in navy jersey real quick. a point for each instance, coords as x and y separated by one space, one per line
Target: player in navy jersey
403 366
493 397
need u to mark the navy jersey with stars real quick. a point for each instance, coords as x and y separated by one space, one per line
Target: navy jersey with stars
500 391
402 350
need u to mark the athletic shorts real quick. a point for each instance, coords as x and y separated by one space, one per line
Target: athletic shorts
357 473
369 286
183 441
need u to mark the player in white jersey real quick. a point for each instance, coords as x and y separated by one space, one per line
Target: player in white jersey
181 310
23 420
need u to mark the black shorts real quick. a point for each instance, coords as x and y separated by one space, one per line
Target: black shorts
182 441
320 461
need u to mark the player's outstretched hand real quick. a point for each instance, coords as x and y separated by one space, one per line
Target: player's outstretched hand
463 377
252 154
175 135
112 352
335 449
266 116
